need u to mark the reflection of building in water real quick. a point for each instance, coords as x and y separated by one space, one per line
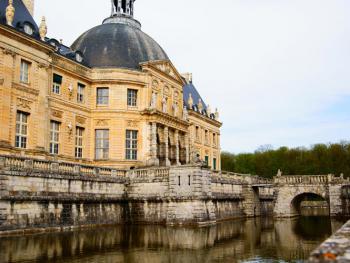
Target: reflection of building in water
240 239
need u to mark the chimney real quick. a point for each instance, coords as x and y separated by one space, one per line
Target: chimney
30 6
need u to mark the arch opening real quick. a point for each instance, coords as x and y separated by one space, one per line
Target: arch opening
310 204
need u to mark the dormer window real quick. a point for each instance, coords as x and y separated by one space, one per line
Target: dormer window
28 29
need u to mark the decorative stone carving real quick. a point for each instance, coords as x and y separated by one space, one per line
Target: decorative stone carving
43 28
200 105
101 123
154 101
80 120
166 68
217 116
175 109
185 114
23 103
132 124
208 110
190 101
10 13
57 113
165 104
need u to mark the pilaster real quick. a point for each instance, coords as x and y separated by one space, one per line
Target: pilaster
166 140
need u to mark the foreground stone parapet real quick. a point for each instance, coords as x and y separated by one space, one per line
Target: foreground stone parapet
334 249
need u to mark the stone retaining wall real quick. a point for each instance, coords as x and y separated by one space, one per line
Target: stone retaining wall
40 194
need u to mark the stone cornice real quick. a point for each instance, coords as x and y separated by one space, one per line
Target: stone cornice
166 119
25 88
205 118
152 65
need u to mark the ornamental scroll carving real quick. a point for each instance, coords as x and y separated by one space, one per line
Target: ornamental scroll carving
132 124
101 123
57 114
23 103
80 120
166 68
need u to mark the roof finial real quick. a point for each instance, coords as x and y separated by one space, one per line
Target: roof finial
10 13
43 28
190 101
123 7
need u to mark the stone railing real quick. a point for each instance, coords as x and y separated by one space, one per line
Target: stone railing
334 249
15 163
149 173
240 178
304 179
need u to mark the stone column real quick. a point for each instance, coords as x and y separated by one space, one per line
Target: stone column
187 147
166 140
153 161
177 147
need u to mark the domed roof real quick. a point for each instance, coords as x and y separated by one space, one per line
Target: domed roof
117 45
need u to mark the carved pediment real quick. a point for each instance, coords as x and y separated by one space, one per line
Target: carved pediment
165 67
23 103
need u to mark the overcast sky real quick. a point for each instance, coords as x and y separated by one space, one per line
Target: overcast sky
278 70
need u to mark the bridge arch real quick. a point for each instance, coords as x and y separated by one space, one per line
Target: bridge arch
306 196
290 197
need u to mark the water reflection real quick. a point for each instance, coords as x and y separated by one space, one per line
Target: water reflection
252 240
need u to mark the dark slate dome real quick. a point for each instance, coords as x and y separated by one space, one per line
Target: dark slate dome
116 44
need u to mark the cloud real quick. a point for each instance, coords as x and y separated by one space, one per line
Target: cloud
277 70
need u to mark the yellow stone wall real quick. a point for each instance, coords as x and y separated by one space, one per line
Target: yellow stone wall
37 99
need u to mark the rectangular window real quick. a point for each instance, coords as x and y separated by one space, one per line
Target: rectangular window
214 139
131 145
56 84
21 130
80 93
102 144
79 133
214 164
132 97
102 96
207 160
207 137
54 137
24 74
197 133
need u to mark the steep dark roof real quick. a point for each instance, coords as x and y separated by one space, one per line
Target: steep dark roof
22 16
117 45
190 88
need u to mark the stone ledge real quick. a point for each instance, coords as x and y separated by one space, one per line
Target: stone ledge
334 249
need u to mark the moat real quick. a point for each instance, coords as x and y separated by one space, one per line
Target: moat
241 240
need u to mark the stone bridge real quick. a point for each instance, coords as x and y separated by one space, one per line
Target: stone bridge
292 190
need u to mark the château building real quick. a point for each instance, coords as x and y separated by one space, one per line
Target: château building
113 98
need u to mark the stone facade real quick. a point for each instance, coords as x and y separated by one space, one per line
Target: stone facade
147 102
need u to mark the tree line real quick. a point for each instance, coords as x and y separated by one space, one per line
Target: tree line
319 159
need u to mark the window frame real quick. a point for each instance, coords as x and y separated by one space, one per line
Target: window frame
79 142
21 138
55 127
131 145
56 85
81 93
24 75
102 100
102 144
132 97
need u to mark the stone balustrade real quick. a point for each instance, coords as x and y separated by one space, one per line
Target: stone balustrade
304 179
15 163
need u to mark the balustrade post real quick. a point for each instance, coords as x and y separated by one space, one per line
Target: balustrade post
77 169
28 164
2 162
54 167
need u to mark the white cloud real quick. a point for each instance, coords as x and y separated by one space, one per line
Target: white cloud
272 67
